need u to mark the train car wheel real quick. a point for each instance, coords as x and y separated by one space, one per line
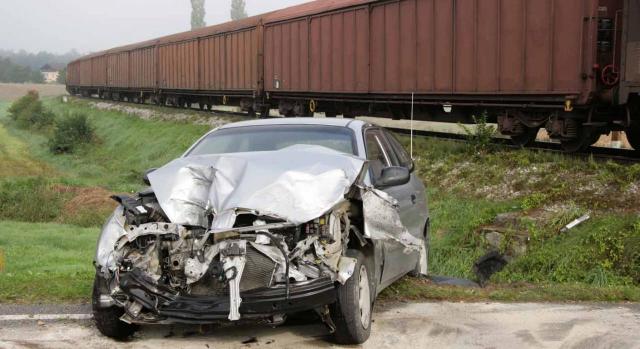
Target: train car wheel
527 138
265 112
581 142
633 136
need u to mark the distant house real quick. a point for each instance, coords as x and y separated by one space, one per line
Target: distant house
49 74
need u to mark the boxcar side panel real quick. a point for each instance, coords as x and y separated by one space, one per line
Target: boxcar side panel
327 53
632 58
118 70
437 47
98 71
229 61
488 46
143 68
85 73
178 66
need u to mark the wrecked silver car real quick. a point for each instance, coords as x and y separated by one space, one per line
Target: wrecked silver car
262 219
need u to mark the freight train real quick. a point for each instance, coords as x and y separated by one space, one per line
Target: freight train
570 66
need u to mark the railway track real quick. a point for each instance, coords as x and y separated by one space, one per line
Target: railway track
598 153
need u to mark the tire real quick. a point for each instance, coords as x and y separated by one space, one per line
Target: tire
108 319
351 316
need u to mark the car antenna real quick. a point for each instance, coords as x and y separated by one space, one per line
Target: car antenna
412 96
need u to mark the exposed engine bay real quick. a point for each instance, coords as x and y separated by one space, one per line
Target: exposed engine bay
221 236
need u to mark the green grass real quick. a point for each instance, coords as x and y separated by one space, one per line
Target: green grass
15 159
411 289
454 246
597 261
46 262
127 146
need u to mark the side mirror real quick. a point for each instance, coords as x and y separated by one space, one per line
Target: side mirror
145 177
393 176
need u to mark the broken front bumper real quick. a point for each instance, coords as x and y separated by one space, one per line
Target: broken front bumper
161 305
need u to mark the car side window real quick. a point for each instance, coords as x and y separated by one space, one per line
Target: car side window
404 159
379 157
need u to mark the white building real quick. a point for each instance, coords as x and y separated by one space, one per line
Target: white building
49 74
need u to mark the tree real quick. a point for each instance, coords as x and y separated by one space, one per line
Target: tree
197 14
62 76
238 10
11 72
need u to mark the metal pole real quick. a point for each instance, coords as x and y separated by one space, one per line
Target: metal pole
412 96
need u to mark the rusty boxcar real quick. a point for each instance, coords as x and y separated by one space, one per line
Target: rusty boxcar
571 66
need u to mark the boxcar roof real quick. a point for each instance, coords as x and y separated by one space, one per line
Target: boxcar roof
306 9
311 8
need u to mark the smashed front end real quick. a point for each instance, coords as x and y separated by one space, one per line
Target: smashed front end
248 236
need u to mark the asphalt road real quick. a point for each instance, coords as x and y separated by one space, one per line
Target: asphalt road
421 325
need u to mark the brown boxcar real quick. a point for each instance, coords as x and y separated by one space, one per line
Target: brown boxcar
491 47
571 66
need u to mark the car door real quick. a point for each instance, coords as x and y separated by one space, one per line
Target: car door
380 156
418 213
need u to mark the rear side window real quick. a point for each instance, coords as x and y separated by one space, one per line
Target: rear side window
404 159
275 137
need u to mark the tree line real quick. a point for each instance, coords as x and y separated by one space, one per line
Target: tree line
16 73
238 11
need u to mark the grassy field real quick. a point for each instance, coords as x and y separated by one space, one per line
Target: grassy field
10 92
46 262
51 207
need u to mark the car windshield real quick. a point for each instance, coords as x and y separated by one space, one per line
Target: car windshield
274 137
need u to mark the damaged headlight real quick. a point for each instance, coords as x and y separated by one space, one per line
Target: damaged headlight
112 230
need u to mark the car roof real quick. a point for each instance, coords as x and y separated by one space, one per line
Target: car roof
349 123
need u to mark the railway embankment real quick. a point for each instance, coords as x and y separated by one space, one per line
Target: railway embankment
512 202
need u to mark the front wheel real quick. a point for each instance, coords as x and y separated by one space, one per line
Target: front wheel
353 309
108 319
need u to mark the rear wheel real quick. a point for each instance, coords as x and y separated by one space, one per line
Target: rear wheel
352 311
108 319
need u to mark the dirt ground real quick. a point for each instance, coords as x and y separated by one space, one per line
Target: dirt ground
10 92
421 325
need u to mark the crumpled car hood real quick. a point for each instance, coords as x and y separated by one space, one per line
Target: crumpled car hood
296 184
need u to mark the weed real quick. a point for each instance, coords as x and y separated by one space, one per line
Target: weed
481 138
534 200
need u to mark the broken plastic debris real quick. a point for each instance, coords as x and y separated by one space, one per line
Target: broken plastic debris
575 223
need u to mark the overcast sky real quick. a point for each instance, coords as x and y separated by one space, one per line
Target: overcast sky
92 25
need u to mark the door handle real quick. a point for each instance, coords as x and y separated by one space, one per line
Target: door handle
414 198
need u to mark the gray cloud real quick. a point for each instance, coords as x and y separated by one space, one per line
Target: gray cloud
92 25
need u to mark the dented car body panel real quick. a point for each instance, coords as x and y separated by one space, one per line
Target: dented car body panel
264 229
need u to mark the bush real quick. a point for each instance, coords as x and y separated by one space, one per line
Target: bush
70 133
480 139
29 112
